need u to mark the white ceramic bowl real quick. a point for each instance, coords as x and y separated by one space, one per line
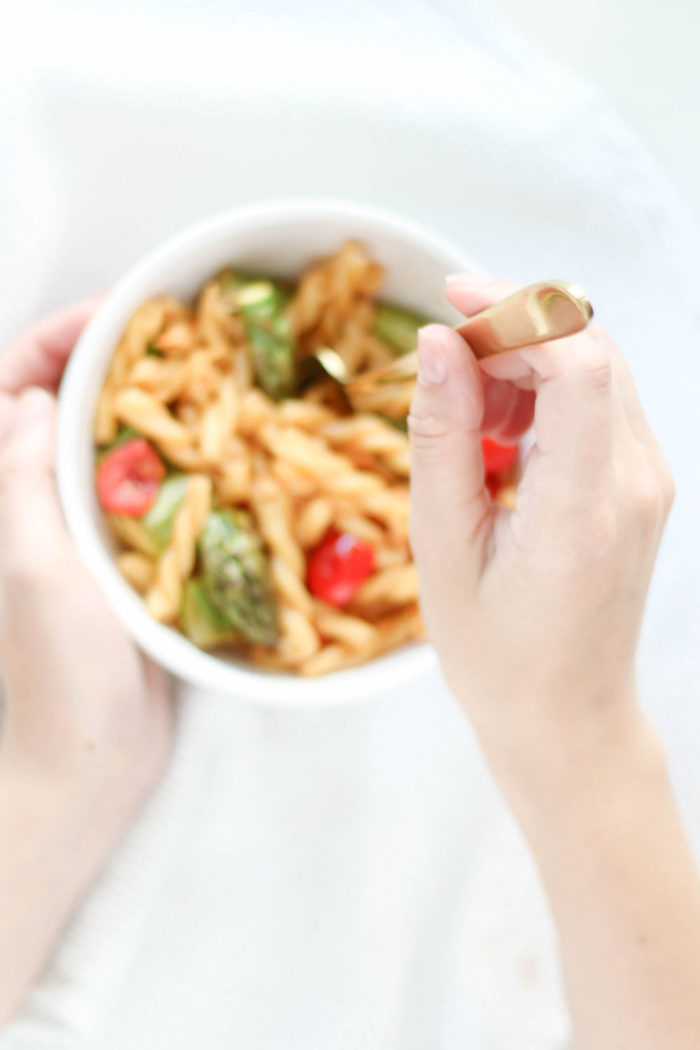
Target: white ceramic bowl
281 238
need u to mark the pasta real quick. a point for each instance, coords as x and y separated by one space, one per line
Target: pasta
234 483
145 413
176 563
138 569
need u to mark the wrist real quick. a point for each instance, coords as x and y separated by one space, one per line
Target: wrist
65 814
568 761
44 814
72 774
51 850
38 829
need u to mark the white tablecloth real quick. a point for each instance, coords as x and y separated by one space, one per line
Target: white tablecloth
348 878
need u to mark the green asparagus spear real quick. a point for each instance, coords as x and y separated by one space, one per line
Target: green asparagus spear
201 620
235 575
160 518
261 304
397 328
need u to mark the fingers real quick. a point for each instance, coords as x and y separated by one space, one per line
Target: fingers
471 292
508 411
31 526
588 421
632 406
39 357
26 447
568 495
576 412
637 422
450 508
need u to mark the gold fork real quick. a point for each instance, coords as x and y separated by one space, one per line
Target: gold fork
534 314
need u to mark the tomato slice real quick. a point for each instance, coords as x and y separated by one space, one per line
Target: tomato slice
128 478
338 566
498 458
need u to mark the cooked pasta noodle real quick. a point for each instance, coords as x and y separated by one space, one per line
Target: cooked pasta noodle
350 630
145 413
370 435
132 534
138 569
395 585
299 639
273 516
313 521
176 563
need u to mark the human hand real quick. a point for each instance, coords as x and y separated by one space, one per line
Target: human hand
82 704
535 612
87 721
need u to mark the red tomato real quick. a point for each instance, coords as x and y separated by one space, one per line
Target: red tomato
494 484
338 566
128 478
498 458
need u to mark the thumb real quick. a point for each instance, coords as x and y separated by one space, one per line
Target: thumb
31 526
450 508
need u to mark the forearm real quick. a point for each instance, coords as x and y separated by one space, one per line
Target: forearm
40 880
622 885
55 836
85 730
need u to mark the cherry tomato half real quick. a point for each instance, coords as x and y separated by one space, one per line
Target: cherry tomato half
498 458
128 478
494 483
338 566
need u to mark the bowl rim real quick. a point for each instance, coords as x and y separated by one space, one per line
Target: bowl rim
163 644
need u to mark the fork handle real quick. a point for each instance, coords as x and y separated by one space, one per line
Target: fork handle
538 312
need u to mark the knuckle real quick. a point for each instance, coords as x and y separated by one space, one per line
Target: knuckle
424 425
648 501
427 433
594 365
601 335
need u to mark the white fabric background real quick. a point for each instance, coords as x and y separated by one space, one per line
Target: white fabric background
343 879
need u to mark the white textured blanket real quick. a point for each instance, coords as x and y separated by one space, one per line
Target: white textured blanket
344 879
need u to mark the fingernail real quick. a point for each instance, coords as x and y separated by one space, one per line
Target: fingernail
432 366
33 406
469 280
